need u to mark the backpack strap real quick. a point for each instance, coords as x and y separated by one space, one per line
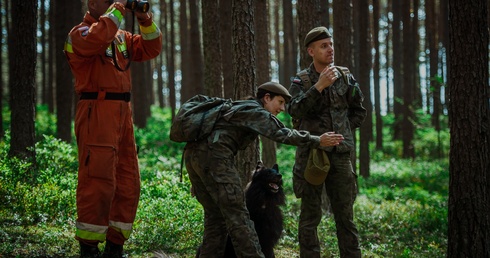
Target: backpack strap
305 78
182 163
344 71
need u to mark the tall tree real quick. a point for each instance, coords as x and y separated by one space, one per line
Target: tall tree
23 80
51 60
408 82
160 59
365 85
324 13
397 68
278 47
141 83
343 44
309 17
171 57
43 53
376 75
68 14
186 61
226 47
263 69
213 80
388 54
414 60
432 40
469 123
288 64
342 32
197 71
244 74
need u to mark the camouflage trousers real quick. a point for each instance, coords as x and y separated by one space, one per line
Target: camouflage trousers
218 188
341 188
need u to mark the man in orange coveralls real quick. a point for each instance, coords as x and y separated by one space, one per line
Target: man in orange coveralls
108 177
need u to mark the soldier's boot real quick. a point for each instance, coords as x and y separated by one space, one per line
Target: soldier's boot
113 250
89 251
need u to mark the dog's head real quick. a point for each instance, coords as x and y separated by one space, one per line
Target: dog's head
269 178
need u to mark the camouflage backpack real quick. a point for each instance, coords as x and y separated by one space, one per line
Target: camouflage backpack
196 118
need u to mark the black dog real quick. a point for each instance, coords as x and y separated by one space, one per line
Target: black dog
264 196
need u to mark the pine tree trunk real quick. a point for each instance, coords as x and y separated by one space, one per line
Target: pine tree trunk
213 80
469 121
244 74
23 67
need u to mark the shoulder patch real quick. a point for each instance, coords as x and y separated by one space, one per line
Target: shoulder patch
84 30
297 80
305 78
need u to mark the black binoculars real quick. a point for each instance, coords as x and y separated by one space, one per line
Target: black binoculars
142 6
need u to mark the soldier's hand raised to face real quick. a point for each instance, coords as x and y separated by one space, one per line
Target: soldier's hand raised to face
327 77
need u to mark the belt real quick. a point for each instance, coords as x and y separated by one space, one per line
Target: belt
125 96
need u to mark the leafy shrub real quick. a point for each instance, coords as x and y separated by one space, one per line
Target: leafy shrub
51 195
401 210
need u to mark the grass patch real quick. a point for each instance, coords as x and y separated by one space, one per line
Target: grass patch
401 209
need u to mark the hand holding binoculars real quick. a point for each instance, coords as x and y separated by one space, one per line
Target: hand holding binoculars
142 6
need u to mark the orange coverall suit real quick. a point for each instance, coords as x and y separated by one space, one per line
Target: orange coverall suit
108 177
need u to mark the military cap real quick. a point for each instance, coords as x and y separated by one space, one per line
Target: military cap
317 34
276 88
317 167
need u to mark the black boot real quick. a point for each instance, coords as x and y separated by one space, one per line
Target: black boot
112 250
89 251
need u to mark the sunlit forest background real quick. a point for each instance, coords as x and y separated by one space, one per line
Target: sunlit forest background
422 65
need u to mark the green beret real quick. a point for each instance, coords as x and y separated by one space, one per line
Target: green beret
276 88
317 34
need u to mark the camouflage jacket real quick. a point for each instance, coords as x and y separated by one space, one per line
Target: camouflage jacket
337 108
243 122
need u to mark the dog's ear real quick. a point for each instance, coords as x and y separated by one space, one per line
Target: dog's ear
276 168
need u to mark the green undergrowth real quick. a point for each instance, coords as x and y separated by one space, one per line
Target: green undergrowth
400 211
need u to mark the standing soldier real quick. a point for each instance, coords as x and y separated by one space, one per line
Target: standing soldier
108 188
326 98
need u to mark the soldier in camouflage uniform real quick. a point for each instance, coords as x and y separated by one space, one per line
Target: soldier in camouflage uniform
326 98
215 179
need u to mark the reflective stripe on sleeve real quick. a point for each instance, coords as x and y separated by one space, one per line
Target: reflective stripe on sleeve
115 15
150 32
124 228
68 46
90 231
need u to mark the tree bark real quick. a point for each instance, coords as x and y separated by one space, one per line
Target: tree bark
23 67
171 58
226 47
289 67
469 122
397 69
244 74
213 80
263 70
408 83
67 16
376 75
197 70
365 58
186 63
309 17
